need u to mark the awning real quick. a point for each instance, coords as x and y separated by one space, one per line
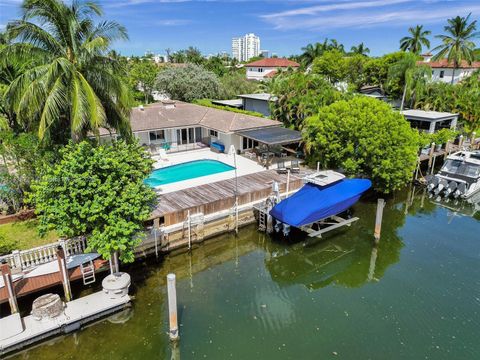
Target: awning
313 203
273 135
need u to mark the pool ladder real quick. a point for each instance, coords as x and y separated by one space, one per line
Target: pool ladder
88 272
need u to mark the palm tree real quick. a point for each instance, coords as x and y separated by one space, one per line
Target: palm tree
361 49
411 75
310 52
75 87
457 44
417 38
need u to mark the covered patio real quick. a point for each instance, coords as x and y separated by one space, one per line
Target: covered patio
269 145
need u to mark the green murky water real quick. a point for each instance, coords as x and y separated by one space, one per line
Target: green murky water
248 297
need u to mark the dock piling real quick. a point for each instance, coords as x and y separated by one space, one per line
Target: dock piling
7 279
172 307
378 219
62 264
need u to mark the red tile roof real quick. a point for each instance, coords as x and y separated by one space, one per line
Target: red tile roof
271 74
274 62
445 64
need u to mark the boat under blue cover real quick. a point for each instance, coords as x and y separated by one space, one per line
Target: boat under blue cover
313 203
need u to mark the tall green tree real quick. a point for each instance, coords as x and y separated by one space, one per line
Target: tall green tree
312 51
75 87
99 192
142 75
188 83
417 38
332 65
300 95
457 44
363 136
361 49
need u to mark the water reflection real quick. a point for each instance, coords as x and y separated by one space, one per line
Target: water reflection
248 296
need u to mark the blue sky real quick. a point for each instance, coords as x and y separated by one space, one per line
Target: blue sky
284 26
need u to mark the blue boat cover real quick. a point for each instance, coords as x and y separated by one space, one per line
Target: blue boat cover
314 203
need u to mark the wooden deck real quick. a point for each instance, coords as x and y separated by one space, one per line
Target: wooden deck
218 196
27 286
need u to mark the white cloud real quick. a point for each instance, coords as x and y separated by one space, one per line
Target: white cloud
358 14
172 22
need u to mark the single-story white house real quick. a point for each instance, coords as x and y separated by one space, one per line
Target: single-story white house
266 68
430 121
180 126
444 71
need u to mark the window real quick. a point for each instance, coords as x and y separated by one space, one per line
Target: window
214 133
249 143
260 70
442 74
157 135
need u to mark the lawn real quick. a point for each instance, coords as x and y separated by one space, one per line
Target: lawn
22 235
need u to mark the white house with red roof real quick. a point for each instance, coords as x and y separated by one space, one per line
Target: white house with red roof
266 68
444 71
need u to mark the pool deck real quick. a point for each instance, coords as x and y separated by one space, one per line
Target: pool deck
244 167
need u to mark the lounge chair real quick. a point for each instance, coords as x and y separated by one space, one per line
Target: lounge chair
294 166
281 168
163 154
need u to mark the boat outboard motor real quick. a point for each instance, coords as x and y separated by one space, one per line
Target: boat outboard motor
286 230
452 186
433 183
441 186
461 190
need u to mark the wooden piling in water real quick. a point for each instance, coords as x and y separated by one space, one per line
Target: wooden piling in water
172 307
378 219
7 280
62 265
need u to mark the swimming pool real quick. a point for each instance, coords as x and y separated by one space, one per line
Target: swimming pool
186 171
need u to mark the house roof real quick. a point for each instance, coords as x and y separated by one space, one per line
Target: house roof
444 64
181 114
427 115
273 136
271 74
260 96
236 103
274 62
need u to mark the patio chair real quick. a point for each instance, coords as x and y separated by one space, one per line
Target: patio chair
163 154
281 168
294 166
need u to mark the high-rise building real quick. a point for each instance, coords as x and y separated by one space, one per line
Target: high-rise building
245 47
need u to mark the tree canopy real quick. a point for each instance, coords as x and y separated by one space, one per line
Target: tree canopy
363 136
299 96
416 39
73 87
98 192
188 83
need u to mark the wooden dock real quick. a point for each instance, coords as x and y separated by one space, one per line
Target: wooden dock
207 199
31 285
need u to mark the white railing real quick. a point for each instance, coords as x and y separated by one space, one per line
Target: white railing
27 259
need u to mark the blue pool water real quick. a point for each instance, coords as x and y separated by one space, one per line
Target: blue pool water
186 171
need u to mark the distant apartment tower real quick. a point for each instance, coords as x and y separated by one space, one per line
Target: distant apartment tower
246 47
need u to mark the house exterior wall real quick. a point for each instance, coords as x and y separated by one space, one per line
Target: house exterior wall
261 106
258 73
446 74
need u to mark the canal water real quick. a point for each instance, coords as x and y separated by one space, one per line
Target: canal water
416 296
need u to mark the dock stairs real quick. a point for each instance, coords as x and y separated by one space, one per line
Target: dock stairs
88 272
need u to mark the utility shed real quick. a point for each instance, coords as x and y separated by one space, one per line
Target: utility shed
258 102
430 121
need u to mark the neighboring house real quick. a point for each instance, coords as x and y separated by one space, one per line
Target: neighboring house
430 121
265 68
443 71
180 126
373 91
257 102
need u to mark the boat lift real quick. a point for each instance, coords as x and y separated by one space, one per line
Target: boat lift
315 208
